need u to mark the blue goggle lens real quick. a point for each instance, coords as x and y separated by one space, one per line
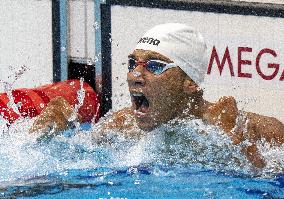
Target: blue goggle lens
154 67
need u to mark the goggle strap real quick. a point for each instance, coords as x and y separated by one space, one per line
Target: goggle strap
170 65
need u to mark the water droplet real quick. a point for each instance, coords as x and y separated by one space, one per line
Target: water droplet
19 104
89 62
96 25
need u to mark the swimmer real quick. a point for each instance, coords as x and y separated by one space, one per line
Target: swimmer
165 72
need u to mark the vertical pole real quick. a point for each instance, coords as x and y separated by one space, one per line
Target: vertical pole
59 40
63 39
98 38
103 52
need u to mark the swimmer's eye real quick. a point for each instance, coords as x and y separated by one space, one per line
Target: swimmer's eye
155 66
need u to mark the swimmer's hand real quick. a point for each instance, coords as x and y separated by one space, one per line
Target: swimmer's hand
120 120
53 119
120 123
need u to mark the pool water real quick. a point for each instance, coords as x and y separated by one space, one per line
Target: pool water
146 181
182 159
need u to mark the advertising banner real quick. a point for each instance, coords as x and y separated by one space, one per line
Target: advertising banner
245 54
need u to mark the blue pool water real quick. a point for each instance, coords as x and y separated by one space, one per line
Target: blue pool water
147 182
186 160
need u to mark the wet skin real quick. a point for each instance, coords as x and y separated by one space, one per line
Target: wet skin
169 94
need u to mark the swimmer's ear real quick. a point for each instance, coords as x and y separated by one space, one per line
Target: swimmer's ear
189 87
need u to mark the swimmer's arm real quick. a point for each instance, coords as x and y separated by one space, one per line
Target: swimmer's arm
225 114
251 127
261 128
54 118
245 125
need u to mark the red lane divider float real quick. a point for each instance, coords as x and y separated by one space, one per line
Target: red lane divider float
32 101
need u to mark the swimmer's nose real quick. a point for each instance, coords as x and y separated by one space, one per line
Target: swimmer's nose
136 77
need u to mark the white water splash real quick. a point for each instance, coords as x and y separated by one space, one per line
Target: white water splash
185 141
11 104
17 74
8 86
80 97
273 156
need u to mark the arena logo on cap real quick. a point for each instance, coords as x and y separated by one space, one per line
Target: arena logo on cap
149 40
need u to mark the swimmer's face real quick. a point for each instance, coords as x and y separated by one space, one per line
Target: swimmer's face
156 99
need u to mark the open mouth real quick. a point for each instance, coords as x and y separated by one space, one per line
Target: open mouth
141 104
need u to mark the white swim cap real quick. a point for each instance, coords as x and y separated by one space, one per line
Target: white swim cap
180 43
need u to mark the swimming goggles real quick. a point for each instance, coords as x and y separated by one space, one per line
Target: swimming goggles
154 66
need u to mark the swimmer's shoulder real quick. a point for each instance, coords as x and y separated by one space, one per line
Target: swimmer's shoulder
225 112
222 113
